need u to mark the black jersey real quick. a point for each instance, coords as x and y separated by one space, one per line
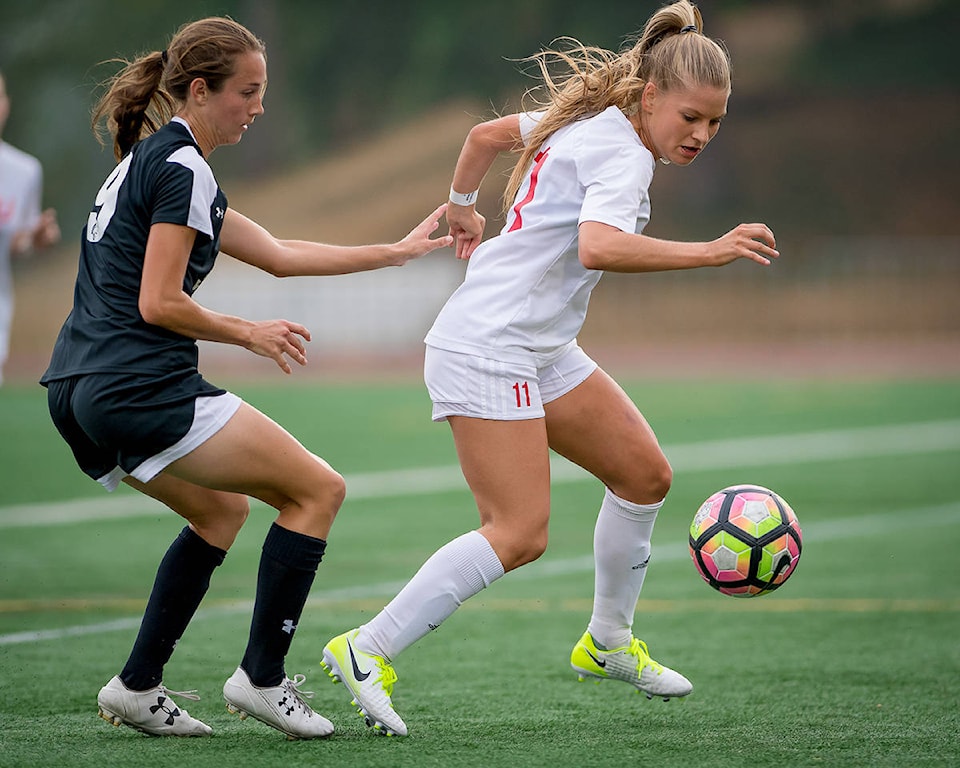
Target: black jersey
163 179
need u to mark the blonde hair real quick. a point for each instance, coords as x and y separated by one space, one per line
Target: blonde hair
147 92
671 53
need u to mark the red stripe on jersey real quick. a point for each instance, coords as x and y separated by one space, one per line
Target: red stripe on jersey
538 162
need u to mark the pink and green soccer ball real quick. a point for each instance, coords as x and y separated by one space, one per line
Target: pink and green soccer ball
745 541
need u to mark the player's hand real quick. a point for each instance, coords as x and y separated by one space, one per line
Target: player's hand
279 340
419 241
47 231
747 241
466 227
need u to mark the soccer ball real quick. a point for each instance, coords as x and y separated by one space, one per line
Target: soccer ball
745 541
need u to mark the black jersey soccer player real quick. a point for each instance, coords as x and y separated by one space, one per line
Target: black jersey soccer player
125 392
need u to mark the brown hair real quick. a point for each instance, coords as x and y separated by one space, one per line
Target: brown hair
147 92
671 52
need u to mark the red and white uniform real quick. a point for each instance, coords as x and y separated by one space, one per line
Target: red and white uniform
21 184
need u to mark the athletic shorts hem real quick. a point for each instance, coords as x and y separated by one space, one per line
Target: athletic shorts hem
442 410
212 414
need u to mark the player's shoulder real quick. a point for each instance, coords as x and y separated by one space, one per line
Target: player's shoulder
173 147
612 123
606 134
16 160
172 138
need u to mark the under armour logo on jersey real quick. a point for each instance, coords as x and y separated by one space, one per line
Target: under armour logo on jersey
288 626
218 212
639 566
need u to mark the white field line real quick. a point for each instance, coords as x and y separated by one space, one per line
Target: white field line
918 438
880 525
864 442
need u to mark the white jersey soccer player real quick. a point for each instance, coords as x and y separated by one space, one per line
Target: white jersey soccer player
21 184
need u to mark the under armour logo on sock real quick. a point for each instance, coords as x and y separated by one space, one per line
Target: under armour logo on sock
288 626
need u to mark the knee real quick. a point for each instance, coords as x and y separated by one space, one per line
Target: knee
220 524
237 512
328 490
334 490
647 487
659 482
523 549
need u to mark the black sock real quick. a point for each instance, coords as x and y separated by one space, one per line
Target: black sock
182 580
288 564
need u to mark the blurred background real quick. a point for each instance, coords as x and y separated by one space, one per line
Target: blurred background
842 136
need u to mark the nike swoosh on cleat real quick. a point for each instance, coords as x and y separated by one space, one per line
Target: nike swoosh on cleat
599 663
360 676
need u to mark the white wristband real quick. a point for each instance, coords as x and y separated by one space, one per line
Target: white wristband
458 198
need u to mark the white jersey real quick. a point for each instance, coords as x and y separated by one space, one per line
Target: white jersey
21 182
525 292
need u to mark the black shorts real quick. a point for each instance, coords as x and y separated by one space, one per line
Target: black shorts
117 423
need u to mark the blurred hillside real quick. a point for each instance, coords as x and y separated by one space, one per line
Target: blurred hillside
840 137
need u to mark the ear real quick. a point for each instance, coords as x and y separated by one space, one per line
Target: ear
649 96
199 90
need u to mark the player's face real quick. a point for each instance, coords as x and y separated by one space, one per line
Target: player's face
234 107
680 123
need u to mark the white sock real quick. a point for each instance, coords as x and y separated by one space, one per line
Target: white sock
621 551
455 572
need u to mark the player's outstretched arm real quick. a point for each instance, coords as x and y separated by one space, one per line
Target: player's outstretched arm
164 303
613 250
244 239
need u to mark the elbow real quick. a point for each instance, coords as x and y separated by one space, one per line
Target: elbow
152 311
599 246
157 310
277 270
591 255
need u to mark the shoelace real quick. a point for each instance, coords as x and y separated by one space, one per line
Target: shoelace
387 675
293 686
638 648
189 695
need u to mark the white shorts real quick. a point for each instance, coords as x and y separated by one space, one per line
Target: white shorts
467 385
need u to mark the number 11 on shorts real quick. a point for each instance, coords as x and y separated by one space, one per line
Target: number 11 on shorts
522 391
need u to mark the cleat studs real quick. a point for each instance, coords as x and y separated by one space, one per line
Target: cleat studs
649 696
581 679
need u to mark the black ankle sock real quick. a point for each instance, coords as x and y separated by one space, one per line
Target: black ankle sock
182 580
288 565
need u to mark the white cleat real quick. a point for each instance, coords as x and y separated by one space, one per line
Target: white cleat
631 664
279 706
370 680
151 711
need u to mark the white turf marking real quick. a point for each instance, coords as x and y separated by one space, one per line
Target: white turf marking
881 525
864 442
926 437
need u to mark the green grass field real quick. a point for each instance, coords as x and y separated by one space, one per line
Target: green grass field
855 662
